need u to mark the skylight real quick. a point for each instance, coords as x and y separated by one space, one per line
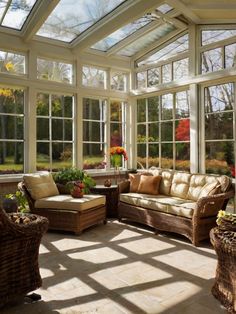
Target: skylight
164 8
144 41
120 34
70 18
13 13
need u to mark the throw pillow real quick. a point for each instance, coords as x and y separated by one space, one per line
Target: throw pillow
210 189
149 185
40 185
135 179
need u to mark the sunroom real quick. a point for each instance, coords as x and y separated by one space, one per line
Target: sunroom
155 78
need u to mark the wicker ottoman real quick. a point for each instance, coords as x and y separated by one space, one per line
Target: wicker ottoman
224 288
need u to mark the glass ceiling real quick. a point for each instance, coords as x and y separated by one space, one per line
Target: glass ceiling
13 13
120 34
70 18
164 8
147 39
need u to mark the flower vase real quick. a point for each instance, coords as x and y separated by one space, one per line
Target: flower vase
116 161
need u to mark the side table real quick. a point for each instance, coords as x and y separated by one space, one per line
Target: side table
224 288
111 194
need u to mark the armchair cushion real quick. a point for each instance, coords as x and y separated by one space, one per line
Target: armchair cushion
40 185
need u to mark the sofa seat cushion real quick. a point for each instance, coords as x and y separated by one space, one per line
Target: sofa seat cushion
162 203
67 202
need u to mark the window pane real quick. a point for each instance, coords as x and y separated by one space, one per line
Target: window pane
153 77
92 109
166 73
11 100
212 36
141 156
116 111
141 79
118 82
42 129
219 97
153 151
141 133
62 130
220 157
11 127
93 77
167 107
11 157
116 134
153 109
93 131
166 131
219 126
182 160
12 63
43 105
230 56
54 71
61 106
182 130
180 69
93 156
43 157
167 155
61 156
153 132
212 60
182 105
141 110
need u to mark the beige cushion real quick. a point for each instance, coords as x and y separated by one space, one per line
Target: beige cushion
166 181
197 182
225 183
183 210
180 185
135 180
210 189
40 185
65 201
149 184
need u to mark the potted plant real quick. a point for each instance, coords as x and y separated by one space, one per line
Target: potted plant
15 202
66 178
226 220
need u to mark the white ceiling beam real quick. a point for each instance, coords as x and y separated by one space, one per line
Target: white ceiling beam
185 10
127 12
210 4
171 20
38 17
217 21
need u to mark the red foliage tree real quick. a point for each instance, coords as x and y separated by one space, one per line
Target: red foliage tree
182 132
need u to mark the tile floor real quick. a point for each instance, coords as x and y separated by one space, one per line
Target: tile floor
121 268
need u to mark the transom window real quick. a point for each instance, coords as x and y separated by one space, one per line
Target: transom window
94 77
12 63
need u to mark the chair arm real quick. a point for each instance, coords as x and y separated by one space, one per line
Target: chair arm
210 205
124 186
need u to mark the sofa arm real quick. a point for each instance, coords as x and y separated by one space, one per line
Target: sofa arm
124 186
210 205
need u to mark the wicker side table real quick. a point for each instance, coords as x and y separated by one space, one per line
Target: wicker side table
224 288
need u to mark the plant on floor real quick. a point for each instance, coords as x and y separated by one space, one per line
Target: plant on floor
20 199
67 176
226 220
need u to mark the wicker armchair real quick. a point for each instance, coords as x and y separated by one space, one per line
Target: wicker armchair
19 247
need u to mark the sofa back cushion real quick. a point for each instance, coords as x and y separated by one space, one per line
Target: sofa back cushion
149 184
134 179
166 181
180 184
40 185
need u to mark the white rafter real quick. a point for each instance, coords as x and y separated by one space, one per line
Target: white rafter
185 10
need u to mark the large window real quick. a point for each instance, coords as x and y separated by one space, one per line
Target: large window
54 131
163 131
11 130
94 119
219 113
54 71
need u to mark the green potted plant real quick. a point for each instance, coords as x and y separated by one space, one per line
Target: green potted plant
226 220
66 178
16 202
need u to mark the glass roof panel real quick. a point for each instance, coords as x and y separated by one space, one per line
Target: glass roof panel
70 18
120 34
164 8
146 40
17 12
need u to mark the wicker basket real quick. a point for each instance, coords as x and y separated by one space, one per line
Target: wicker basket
19 247
224 288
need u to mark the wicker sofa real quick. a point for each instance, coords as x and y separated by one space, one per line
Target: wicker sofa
177 202
62 210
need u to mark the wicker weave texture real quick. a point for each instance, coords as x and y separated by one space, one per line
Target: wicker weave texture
19 247
224 288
